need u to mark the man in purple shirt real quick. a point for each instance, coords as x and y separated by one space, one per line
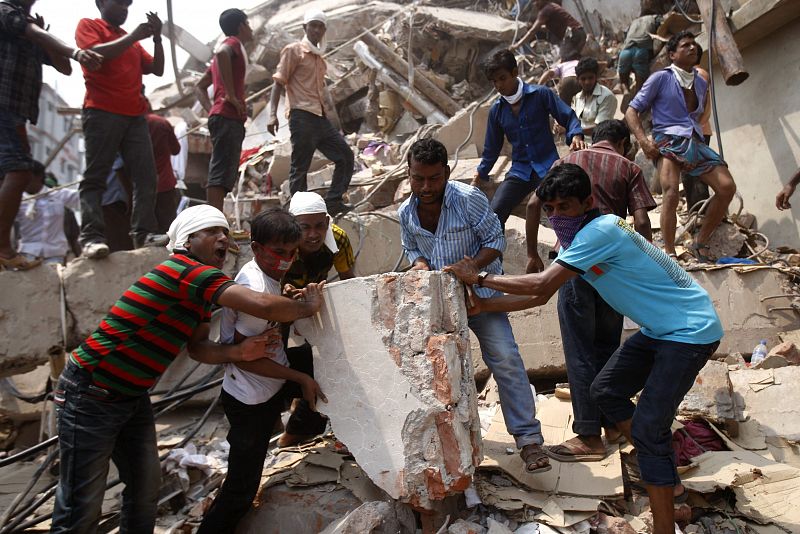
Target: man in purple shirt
522 115
677 96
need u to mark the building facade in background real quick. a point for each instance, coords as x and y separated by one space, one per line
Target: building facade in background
47 133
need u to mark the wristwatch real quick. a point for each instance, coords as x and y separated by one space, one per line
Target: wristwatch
481 277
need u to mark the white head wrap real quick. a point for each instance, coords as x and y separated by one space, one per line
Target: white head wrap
513 99
193 220
308 203
319 16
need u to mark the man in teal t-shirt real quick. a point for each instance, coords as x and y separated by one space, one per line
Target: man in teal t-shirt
680 328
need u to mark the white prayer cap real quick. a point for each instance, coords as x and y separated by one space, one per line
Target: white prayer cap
315 14
193 220
308 203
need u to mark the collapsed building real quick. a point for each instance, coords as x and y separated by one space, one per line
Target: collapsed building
413 444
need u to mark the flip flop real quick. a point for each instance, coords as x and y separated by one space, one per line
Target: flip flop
531 455
567 453
18 263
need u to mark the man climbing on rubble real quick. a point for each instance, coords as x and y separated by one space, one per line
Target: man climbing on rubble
590 327
522 115
252 391
637 50
301 74
324 246
680 328
677 97
228 113
102 400
24 47
114 122
564 30
441 223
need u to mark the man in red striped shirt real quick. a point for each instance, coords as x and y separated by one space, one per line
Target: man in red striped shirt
590 327
102 399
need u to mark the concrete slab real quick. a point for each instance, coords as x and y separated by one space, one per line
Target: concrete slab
711 396
391 354
30 318
771 397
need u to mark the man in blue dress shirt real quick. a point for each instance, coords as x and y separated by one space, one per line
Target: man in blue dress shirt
521 115
443 223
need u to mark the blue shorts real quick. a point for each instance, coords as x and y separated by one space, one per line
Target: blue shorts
15 153
634 59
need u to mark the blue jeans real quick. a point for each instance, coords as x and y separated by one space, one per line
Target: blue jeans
93 427
634 59
15 152
664 371
590 332
501 354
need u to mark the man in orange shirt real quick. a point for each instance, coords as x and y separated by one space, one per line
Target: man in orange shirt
301 72
114 122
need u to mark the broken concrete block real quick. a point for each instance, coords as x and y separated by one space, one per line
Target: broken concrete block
496 527
93 286
391 353
282 160
30 384
772 361
770 397
788 350
30 318
375 518
726 240
613 525
378 240
280 509
465 527
745 318
515 257
711 396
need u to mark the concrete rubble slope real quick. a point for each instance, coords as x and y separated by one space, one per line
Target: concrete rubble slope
393 357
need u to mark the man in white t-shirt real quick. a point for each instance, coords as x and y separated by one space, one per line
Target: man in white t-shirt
251 391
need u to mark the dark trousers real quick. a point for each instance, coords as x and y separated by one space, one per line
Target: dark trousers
510 193
590 332
93 428
663 371
311 132
304 420
107 134
166 209
249 435
226 150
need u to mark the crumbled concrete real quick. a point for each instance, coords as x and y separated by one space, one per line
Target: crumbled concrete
392 356
92 286
28 384
787 350
30 318
375 517
726 240
771 397
711 396
280 509
282 161
465 527
378 240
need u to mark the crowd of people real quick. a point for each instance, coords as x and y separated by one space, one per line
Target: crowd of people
603 270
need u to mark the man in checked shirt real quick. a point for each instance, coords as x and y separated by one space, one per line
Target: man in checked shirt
443 223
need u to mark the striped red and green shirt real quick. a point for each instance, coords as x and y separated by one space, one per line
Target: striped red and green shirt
150 324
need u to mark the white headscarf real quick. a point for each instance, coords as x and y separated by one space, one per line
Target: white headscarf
319 16
193 220
308 203
513 99
685 78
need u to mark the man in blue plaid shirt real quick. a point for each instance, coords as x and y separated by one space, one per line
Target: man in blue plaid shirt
443 223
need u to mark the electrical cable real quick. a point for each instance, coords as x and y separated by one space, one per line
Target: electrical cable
686 15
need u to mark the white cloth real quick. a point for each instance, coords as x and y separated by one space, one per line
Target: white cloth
41 222
308 203
180 160
513 99
193 220
319 16
244 386
316 49
685 78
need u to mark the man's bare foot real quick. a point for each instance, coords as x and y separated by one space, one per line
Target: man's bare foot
613 436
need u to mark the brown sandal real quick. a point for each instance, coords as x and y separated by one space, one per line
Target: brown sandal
532 455
567 452
18 263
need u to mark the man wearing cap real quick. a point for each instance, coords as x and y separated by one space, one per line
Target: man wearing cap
324 246
301 73
102 400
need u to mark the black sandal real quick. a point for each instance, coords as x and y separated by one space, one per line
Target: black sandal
532 455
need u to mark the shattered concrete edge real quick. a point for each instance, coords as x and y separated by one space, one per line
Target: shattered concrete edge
392 355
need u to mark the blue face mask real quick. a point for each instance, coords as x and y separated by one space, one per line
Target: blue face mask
566 228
